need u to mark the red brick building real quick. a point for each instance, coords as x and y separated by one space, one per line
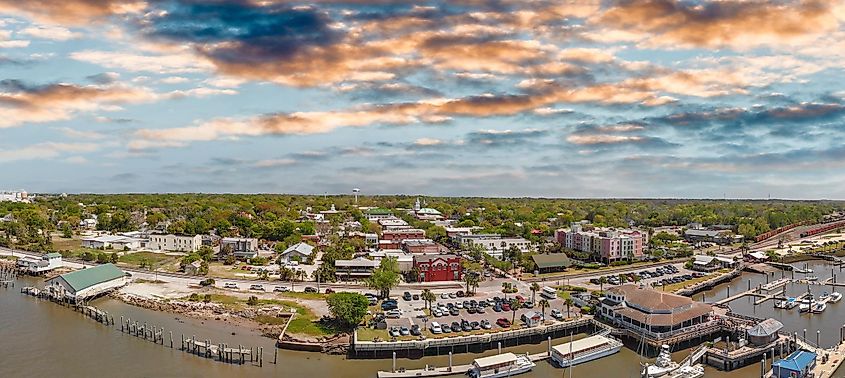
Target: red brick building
392 239
434 268
422 246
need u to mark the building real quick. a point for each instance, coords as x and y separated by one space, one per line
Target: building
552 262
757 257
393 223
426 213
118 242
404 261
711 236
172 242
242 248
355 269
654 313
764 332
494 244
799 364
14 196
377 213
297 252
422 246
37 266
705 263
194 268
454 232
606 244
433 268
392 238
532 319
86 283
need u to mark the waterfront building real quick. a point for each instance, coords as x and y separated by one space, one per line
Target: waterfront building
606 244
532 319
438 267
86 283
494 244
799 364
242 248
355 269
173 242
705 263
764 332
654 313
299 251
36 265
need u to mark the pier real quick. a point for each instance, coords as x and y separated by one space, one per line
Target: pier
758 292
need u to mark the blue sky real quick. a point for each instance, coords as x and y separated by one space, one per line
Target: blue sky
651 98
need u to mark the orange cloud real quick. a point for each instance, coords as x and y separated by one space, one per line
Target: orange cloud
71 12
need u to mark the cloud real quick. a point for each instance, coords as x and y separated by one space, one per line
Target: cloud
51 32
71 12
80 134
104 78
591 139
21 103
493 138
427 142
44 151
164 63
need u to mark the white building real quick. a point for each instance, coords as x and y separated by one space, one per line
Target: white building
404 261
299 251
393 223
494 244
117 242
14 196
242 248
36 266
171 242
86 283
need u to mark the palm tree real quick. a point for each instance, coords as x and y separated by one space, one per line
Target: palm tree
428 297
514 306
544 304
471 280
535 287
568 302
602 281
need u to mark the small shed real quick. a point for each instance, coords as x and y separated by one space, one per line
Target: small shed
764 332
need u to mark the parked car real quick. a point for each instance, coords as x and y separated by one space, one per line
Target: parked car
528 304
415 297
394 332
452 295
393 314
485 324
557 314
454 311
407 296
444 296
435 328
281 289
415 330
446 328
230 285
456 327
503 322
256 287
460 294
404 331
329 290
309 289
506 306
389 305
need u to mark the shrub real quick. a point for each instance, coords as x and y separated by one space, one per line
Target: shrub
252 301
194 297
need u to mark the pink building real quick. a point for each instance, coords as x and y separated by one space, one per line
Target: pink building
607 244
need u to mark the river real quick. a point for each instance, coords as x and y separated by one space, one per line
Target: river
41 339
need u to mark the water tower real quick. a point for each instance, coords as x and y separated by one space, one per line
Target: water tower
355 191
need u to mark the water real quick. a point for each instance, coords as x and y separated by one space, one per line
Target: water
39 339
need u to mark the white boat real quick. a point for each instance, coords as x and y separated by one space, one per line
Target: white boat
812 278
818 307
500 365
824 297
835 297
806 303
662 365
583 350
788 304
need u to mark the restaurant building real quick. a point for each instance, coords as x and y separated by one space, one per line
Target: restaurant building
654 313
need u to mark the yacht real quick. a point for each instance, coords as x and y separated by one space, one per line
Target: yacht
812 278
696 371
806 303
662 365
583 350
835 297
824 297
500 365
818 307
788 303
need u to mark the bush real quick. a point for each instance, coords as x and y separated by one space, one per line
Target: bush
258 261
252 301
194 297
207 282
207 298
620 263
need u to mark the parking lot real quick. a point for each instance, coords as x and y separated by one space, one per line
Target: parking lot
652 277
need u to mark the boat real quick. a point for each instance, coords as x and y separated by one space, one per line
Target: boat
788 303
824 297
500 365
818 307
583 350
835 297
696 371
812 278
806 302
662 365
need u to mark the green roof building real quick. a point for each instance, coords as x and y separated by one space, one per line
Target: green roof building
87 283
553 262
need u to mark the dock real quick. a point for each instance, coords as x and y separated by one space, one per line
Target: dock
758 292
431 371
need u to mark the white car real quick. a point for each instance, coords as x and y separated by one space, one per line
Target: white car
256 287
230 285
281 289
393 314
557 314
434 327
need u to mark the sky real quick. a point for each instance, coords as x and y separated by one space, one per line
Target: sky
645 98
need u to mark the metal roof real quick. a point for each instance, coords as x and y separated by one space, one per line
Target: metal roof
499 359
552 260
85 278
302 248
767 327
797 361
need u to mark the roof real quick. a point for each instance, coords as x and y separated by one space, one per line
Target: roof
651 299
53 255
552 260
582 344
357 262
499 359
767 327
698 309
379 211
708 233
430 258
797 361
759 255
302 248
428 210
85 278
